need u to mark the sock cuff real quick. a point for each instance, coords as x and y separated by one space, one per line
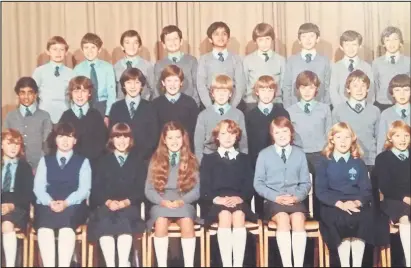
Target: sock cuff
13 233
164 238
188 238
239 229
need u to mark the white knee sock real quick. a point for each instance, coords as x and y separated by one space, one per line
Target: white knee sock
357 251
405 241
47 246
161 248
189 249
108 248
284 246
66 244
10 248
225 242
344 252
239 242
299 240
124 243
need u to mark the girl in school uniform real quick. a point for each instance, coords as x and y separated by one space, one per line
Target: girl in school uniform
172 186
16 192
392 171
118 192
283 180
226 187
345 194
61 185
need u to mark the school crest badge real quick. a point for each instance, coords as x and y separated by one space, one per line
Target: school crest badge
352 172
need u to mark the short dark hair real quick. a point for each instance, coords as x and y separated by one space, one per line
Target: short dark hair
308 28
400 80
91 38
57 40
60 129
26 81
132 74
215 25
168 30
350 35
118 130
389 31
130 33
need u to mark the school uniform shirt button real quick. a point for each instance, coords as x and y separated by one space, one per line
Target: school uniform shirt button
25 126
25 135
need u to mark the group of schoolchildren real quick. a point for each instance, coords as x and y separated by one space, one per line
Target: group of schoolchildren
88 145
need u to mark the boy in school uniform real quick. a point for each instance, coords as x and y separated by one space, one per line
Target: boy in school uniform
172 40
389 65
52 79
101 74
307 59
360 114
219 61
130 42
138 113
33 123
263 61
350 43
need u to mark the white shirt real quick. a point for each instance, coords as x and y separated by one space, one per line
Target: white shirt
305 52
232 152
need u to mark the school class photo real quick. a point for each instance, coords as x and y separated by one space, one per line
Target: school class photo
183 134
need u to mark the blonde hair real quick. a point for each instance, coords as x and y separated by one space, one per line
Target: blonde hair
394 127
355 149
265 81
222 81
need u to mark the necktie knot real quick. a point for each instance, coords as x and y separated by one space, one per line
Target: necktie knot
7 179
56 71
283 157
174 59
306 109
121 160
351 66
128 63
220 56
92 65
173 100
173 159
392 59
28 112
308 57
63 162
358 107
265 54
402 157
266 111
132 108
221 110
81 114
403 113
226 156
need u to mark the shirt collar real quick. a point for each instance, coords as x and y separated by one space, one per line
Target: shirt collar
337 155
96 62
304 52
398 152
399 108
175 97
55 64
353 102
279 149
134 60
76 108
129 99
302 104
232 152
32 108
170 154
177 55
13 161
217 106
61 154
269 53
388 56
225 53
117 154
263 106
347 62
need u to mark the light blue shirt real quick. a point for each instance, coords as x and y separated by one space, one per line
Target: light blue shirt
225 54
353 102
347 62
302 104
175 97
14 162
217 106
136 100
263 106
53 89
75 198
32 109
178 55
76 109
269 53
399 108
117 154
106 80
170 153
337 155
398 152
288 148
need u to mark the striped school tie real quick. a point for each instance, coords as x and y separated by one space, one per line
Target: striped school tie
266 111
94 81
128 63
220 56
132 109
221 110
403 114
308 58
28 112
265 54
306 109
122 160
56 72
7 179
226 156
81 114
63 162
351 66
392 59
358 107
173 159
174 59
283 155
402 157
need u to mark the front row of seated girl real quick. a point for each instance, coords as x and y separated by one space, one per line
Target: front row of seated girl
63 182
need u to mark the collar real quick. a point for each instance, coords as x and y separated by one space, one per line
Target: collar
232 152
263 106
217 106
398 152
175 97
117 154
177 55
398 108
337 156
76 108
353 102
347 62
32 108
170 154
279 149
13 161
302 104
388 56
61 154
225 53
304 52
96 62
129 99
56 64
134 60
269 53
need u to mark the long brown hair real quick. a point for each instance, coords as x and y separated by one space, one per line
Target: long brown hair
188 166
13 136
355 148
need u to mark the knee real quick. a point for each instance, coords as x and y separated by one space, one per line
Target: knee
161 226
7 227
298 221
224 219
187 227
238 219
283 221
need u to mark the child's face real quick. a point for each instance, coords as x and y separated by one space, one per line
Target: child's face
401 140
174 140
221 95
219 38
172 84
308 40
264 43
65 143
133 87
225 138
172 42
358 90
121 143
131 46
342 141
90 51
401 95
308 92
80 96
57 52
350 48
392 43
27 96
10 149
281 136
266 94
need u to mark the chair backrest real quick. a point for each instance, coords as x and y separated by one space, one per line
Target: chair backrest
311 198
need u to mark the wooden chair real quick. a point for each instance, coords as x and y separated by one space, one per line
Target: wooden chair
385 252
22 236
312 228
137 239
174 231
254 228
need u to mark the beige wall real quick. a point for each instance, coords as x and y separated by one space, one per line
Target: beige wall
26 28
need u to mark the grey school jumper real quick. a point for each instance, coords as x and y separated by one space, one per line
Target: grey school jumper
339 74
207 121
188 64
384 71
209 66
295 65
365 125
255 66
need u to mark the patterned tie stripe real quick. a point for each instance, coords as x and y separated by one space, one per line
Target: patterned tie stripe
402 157
81 114
173 159
266 111
220 56
306 108
403 114
226 156
7 179
358 107
132 108
28 112
283 155
351 66
174 59
221 110
63 162
308 58
122 160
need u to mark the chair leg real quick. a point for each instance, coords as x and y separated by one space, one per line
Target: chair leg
389 256
320 250
25 250
260 244
316 252
31 249
144 250
208 245
327 255
84 248
90 255
265 247
149 250
375 257
383 252
202 248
